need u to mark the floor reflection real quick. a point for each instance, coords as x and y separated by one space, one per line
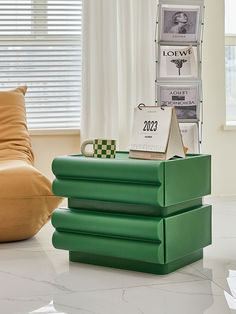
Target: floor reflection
231 299
47 309
193 297
28 273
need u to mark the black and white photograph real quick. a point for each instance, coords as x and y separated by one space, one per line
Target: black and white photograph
180 24
178 62
185 99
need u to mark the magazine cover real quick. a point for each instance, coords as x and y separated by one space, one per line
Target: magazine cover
180 23
178 62
190 137
184 98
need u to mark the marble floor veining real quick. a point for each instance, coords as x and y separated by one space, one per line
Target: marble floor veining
36 278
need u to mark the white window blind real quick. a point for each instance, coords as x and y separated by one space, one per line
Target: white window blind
40 46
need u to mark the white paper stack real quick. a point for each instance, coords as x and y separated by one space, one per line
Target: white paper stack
190 137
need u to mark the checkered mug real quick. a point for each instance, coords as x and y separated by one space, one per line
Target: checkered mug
101 148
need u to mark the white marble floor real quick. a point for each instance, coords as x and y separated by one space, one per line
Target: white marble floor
36 278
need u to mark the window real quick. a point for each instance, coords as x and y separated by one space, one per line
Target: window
230 59
40 46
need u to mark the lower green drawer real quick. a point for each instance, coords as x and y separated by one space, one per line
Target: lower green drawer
151 252
187 232
182 234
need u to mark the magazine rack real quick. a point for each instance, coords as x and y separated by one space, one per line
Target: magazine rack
179 25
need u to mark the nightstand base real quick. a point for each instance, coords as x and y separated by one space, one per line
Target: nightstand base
160 269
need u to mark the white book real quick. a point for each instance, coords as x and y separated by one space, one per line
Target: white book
190 137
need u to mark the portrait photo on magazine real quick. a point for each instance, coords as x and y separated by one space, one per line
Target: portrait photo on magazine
180 24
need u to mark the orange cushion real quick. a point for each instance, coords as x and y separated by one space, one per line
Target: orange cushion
14 138
26 198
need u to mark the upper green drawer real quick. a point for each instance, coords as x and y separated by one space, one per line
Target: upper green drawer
133 181
187 179
122 168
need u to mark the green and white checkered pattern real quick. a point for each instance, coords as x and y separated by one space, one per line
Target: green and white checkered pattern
104 148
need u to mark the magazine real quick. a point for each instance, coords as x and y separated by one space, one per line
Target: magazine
178 62
190 136
180 23
184 98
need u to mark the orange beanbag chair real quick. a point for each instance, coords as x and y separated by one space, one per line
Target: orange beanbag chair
26 198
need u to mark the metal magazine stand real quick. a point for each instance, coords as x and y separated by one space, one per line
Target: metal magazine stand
163 39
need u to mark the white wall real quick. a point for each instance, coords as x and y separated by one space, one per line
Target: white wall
217 142
47 147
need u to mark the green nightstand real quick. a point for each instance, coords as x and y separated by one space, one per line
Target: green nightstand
133 214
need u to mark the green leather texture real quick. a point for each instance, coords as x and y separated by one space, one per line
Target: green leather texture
129 249
179 180
153 268
187 179
182 234
112 225
122 168
109 191
187 232
132 209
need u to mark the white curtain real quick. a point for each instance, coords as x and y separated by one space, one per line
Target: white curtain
118 66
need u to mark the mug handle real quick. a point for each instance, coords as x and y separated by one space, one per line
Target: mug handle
83 148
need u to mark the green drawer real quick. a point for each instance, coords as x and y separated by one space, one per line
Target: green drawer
134 227
165 184
108 246
187 179
187 232
175 236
